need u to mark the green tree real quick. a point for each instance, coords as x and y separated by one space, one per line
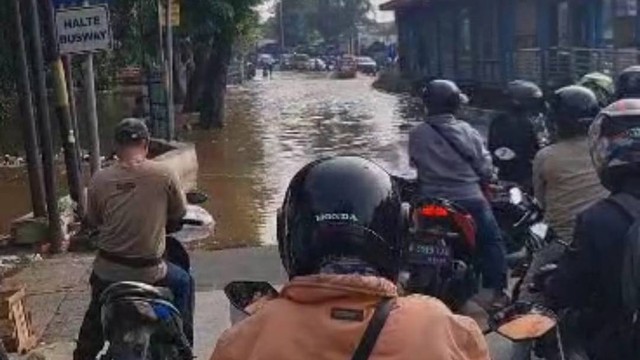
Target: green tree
214 26
337 20
308 21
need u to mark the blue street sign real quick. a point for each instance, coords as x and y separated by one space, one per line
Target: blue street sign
74 3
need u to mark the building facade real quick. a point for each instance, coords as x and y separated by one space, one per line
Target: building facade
488 43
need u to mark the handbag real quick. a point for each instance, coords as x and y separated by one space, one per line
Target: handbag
370 336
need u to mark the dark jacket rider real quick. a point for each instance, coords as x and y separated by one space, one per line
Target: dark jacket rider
589 275
513 142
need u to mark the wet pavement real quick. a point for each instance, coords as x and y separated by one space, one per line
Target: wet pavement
57 305
274 127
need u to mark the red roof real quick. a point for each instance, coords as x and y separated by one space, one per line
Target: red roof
394 4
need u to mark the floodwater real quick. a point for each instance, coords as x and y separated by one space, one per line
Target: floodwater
273 128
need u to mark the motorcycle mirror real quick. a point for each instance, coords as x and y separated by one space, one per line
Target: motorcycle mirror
196 197
243 294
527 324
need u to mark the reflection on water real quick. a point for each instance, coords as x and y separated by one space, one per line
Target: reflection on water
275 127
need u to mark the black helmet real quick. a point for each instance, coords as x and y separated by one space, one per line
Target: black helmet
628 83
524 96
614 142
572 109
341 207
443 97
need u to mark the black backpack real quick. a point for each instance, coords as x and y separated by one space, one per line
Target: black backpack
630 277
626 331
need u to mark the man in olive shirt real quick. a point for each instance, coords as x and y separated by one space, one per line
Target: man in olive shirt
130 204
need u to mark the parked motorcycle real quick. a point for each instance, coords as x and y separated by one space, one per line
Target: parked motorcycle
440 253
139 320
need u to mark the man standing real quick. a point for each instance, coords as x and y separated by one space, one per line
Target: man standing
130 204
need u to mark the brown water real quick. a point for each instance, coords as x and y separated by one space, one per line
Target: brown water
273 129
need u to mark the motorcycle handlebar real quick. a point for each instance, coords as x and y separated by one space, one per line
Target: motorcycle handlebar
191 222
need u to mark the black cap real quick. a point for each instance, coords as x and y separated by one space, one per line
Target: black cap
131 130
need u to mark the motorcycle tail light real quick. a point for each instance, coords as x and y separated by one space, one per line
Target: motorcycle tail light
434 211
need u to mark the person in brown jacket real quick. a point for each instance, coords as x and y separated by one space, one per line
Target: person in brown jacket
340 235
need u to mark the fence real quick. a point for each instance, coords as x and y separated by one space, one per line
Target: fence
558 66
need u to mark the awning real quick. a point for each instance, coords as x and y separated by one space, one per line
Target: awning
395 4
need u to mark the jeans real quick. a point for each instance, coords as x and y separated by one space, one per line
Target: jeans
91 339
492 253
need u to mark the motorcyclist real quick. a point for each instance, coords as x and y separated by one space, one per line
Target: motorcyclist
453 163
340 236
513 142
564 180
588 278
130 203
602 86
628 83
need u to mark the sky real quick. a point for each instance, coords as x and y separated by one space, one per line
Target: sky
380 16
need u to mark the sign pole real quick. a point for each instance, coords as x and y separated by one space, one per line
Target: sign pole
92 112
170 105
34 162
63 112
42 104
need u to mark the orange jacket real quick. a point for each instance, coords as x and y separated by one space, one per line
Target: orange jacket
305 324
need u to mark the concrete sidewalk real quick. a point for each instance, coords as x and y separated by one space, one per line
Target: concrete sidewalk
58 295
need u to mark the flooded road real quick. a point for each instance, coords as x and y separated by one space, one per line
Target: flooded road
275 127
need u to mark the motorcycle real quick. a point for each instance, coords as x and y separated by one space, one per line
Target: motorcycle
520 218
563 343
440 253
139 320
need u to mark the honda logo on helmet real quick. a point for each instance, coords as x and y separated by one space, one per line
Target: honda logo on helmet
336 217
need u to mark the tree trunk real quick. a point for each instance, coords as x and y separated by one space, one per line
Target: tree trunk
215 86
197 80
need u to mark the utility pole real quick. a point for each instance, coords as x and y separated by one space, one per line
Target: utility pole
42 104
92 112
68 71
30 132
282 45
171 132
63 112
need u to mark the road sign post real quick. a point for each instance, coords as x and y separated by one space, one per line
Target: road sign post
86 29
83 29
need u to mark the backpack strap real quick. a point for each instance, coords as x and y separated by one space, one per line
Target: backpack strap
629 203
370 337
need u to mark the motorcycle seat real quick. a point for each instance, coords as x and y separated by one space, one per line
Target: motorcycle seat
130 289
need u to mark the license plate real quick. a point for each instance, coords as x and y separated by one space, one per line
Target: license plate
429 254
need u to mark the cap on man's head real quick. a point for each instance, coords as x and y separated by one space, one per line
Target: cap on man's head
131 130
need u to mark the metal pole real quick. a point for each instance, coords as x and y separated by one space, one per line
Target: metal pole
42 104
282 45
170 106
63 112
68 70
92 112
30 132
